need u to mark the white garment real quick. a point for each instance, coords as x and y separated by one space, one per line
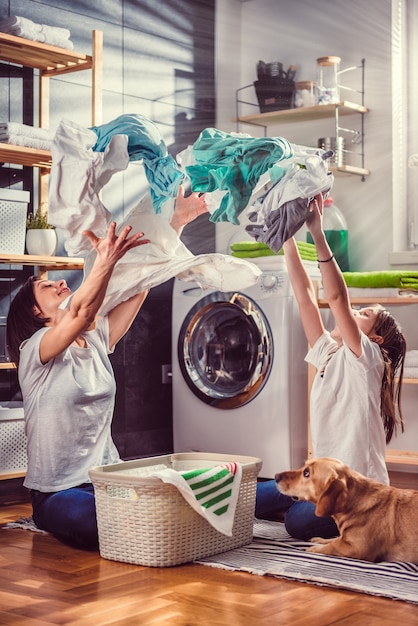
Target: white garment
78 174
68 408
345 406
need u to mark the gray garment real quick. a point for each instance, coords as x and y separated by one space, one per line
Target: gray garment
68 407
281 224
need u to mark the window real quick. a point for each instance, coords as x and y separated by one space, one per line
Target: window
405 131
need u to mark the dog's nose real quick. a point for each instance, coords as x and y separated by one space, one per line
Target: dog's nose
277 477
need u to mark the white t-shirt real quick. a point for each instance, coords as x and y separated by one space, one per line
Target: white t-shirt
68 407
345 406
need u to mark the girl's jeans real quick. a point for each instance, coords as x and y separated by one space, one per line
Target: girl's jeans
300 519
69 514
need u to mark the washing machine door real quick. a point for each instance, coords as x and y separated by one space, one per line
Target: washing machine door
225 349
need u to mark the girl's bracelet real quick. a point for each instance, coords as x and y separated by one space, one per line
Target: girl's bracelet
326 260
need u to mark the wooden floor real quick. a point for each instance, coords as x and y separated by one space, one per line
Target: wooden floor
44 582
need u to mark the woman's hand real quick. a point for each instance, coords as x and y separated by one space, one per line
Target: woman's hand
113 247
187 209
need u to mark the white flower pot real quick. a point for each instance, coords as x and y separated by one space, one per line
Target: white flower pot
42 241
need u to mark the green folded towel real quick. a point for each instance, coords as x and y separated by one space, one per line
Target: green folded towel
253 249
252 254
391 278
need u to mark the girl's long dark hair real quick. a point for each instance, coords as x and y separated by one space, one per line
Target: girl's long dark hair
22 322
393 349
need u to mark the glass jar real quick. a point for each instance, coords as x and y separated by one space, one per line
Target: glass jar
305 93
328 88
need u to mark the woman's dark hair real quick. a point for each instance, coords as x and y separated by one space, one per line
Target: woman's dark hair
393 349
22 321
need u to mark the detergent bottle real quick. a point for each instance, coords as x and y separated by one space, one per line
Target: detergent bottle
336 233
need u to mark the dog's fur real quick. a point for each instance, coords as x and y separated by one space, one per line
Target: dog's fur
376 522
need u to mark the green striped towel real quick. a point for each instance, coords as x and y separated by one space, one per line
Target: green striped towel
398 279
212 492
253 249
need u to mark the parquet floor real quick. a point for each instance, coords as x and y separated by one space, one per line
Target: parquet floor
43 582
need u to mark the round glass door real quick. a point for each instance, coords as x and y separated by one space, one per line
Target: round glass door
225 349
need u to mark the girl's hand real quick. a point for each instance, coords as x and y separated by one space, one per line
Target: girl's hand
113 247
187 209
314 219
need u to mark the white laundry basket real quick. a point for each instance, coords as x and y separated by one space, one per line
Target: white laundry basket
13 459
13 212
145 521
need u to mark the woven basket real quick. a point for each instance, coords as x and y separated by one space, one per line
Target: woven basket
144 521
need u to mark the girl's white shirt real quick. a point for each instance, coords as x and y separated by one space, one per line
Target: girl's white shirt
68 407
345 402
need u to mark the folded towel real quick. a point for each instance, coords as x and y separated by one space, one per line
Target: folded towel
16 128
403 279
410 372
411 358
24 27
244 249
28 142
213 493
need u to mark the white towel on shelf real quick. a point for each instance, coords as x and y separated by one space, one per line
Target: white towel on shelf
26 28
213 493
410 372
411 358
28 142
16 128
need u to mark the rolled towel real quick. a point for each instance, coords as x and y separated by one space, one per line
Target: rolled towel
15 128
16 21
33 35
391 278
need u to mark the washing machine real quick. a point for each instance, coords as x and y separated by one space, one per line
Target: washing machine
238 371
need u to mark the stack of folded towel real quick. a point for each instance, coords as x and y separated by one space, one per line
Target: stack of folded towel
402 279
24 135
254 249
23 27
411 364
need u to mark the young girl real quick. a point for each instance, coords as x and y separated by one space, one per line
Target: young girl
355 396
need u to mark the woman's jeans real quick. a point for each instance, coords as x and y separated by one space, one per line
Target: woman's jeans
70 514
300 519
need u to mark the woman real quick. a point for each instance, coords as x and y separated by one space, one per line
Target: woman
355 399
67 381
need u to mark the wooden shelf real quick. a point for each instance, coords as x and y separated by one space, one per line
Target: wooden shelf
43 262
29 157
50 60
302 114
401 457
407 299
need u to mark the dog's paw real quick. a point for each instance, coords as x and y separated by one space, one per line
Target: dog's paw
319 540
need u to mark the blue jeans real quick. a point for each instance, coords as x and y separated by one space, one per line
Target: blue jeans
269 498
300 519
301 522
69 514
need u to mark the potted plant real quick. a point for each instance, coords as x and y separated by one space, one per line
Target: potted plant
41 237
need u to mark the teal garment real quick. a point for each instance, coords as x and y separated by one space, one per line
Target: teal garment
233 163
145 143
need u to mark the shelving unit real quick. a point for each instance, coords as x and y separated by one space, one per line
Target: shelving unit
306 114
50 61
399 457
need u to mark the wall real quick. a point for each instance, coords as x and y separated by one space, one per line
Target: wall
298 33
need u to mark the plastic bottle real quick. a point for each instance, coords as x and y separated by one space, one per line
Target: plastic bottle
336 233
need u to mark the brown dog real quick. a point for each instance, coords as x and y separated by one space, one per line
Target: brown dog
375 522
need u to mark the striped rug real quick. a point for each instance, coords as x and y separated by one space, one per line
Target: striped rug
273 552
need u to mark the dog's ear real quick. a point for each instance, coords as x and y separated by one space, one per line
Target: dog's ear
333 499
